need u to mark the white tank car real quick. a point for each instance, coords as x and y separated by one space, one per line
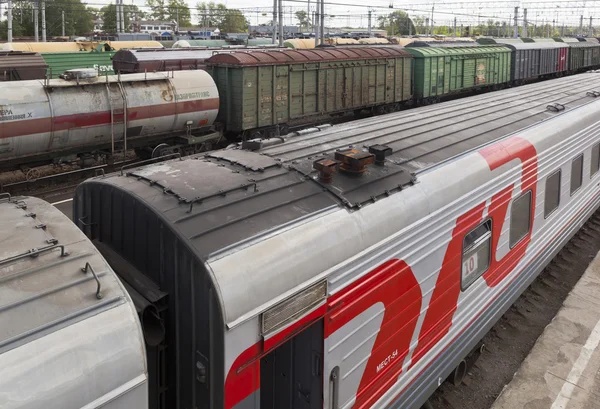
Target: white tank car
50 118
69 332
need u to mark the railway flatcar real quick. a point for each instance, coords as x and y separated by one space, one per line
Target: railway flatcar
261 91
439 72
364 262
21 65
43 119
71 336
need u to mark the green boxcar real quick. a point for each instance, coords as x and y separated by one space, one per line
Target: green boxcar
61 62
261 89
443 71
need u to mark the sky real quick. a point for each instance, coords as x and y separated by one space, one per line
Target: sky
354 13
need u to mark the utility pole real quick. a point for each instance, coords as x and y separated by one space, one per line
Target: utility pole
581 26
63 22
427 25
43 21
322 22
122 17
308 25
36 29
590 32
455 27
369 22
280 10
317 21
516 29
9 22
431 31
118 16
525 23
274 21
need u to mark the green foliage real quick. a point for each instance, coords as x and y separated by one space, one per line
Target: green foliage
218 15
302 17
397 23
178 11
158 9
79 19
109 16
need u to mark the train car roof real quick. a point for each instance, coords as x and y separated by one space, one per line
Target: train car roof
230 198
460 50
301 56
63 313
26 65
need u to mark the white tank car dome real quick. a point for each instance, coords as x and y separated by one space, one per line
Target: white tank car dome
69 333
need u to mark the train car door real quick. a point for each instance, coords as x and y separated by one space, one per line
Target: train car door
291 376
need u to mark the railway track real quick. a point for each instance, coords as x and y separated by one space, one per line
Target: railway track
509 342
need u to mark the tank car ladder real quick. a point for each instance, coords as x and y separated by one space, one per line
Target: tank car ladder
118 113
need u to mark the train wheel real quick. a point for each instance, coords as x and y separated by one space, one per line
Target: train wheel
256 135
159 151
32 174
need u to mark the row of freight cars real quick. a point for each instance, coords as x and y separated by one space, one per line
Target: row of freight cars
24 61
258 95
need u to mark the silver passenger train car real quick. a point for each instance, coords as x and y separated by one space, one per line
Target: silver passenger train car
355 267
69 332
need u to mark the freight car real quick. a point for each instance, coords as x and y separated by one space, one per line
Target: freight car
70 334
40 120
261 91
439 72
58 63
177 59
532 61
364 274
76 46
19 65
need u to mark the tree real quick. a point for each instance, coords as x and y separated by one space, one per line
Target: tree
302 17
397 23
211 14
79 19
218 15
179 12
234 22
158 9
109 16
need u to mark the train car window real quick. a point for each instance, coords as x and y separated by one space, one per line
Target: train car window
477 246
595 159
520 218
552 196
576 173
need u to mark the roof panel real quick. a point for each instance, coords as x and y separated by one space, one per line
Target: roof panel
306 56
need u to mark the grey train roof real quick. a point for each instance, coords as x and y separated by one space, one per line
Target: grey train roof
63 306
223 197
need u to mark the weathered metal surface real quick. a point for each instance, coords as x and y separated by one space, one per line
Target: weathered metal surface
305 56
18 65
39 118
61 62
176 59
534 60
57 334
442 71
583 55
264 89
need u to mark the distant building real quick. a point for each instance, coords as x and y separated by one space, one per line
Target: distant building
98 24
155 27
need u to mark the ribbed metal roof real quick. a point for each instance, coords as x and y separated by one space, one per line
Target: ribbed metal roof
304 56
21 65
